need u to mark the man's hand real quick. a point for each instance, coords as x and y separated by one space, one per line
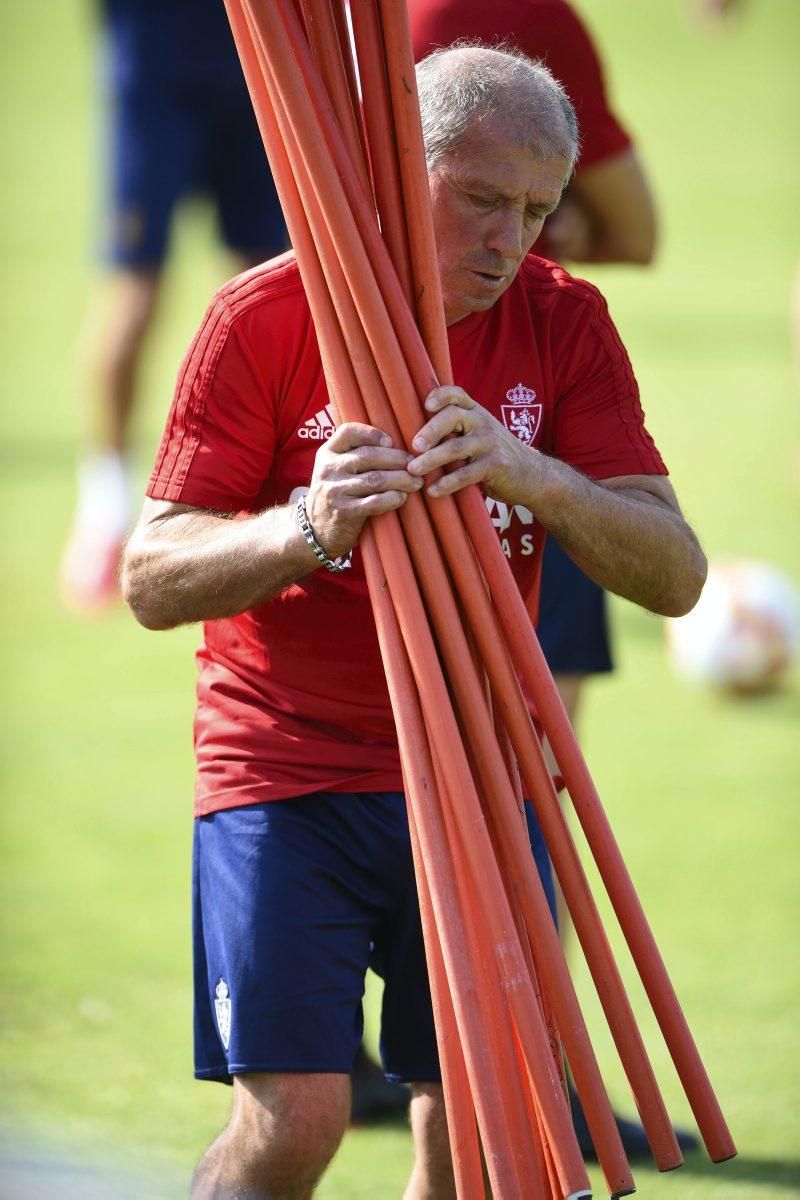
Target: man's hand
460 431
184 563
357 474
627 532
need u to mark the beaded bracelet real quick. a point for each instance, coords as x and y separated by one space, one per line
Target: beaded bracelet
330 564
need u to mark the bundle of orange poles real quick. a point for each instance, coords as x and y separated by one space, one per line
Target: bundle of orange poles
340 123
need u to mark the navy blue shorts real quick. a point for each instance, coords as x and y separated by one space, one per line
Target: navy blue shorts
293 901
573 625
167 142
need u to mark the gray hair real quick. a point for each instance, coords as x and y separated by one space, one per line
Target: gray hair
470 81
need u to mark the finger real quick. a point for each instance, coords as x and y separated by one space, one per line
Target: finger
449 420
373 506
353 434
441 397
450 451
446 485
375 482
374 458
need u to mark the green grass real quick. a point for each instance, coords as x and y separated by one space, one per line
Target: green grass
97 763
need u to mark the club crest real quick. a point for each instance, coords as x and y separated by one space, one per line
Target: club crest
521 416
222 1004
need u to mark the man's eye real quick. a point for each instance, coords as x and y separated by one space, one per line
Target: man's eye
531 216
482 202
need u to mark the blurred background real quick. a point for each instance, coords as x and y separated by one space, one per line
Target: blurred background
702 788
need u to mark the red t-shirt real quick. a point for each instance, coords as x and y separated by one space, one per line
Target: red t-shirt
292 697
545 29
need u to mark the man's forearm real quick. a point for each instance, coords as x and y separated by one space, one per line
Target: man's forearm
196 566
626 539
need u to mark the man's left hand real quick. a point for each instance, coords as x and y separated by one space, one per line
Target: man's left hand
462 432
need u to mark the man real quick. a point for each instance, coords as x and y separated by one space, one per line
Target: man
180 123
303 871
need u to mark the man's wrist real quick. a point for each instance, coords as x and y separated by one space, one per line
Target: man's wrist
335 565
547 487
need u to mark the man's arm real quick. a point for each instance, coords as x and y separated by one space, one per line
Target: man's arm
627 533
185 564
606 215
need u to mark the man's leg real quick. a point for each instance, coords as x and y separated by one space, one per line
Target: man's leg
432 1177
283 1132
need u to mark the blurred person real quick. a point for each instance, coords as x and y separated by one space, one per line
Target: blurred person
180 122
303 873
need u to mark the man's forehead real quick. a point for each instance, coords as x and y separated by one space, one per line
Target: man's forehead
503 169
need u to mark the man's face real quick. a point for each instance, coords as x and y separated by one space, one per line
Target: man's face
490 198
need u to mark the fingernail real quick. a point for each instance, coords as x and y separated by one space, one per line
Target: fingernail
418 443
385 439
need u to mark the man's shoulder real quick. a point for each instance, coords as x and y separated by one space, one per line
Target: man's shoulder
273 283
548 285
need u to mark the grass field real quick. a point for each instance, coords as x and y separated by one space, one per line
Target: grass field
97 763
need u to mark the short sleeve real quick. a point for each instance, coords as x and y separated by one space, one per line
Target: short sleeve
570 53
219 441
598 422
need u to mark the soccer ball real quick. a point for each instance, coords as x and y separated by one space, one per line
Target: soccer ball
744 632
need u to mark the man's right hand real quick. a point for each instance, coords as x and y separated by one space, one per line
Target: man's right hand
358 474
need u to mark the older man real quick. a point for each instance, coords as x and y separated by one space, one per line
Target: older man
303 873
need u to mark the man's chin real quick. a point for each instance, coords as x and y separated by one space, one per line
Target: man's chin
466 305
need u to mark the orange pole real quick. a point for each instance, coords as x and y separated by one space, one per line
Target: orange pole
416 193
461 1127
381 137
324 41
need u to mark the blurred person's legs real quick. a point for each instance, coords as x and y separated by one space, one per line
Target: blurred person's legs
164 143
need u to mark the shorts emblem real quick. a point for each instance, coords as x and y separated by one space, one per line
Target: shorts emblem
222 1004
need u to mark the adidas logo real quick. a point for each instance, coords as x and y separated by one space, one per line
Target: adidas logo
320 427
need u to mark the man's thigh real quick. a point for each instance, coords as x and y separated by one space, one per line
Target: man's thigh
288 898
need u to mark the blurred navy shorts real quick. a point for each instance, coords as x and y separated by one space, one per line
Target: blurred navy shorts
293 901
573 626
170 140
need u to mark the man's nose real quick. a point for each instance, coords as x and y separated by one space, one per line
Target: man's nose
506 234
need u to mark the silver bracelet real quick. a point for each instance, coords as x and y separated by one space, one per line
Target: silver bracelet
331 564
